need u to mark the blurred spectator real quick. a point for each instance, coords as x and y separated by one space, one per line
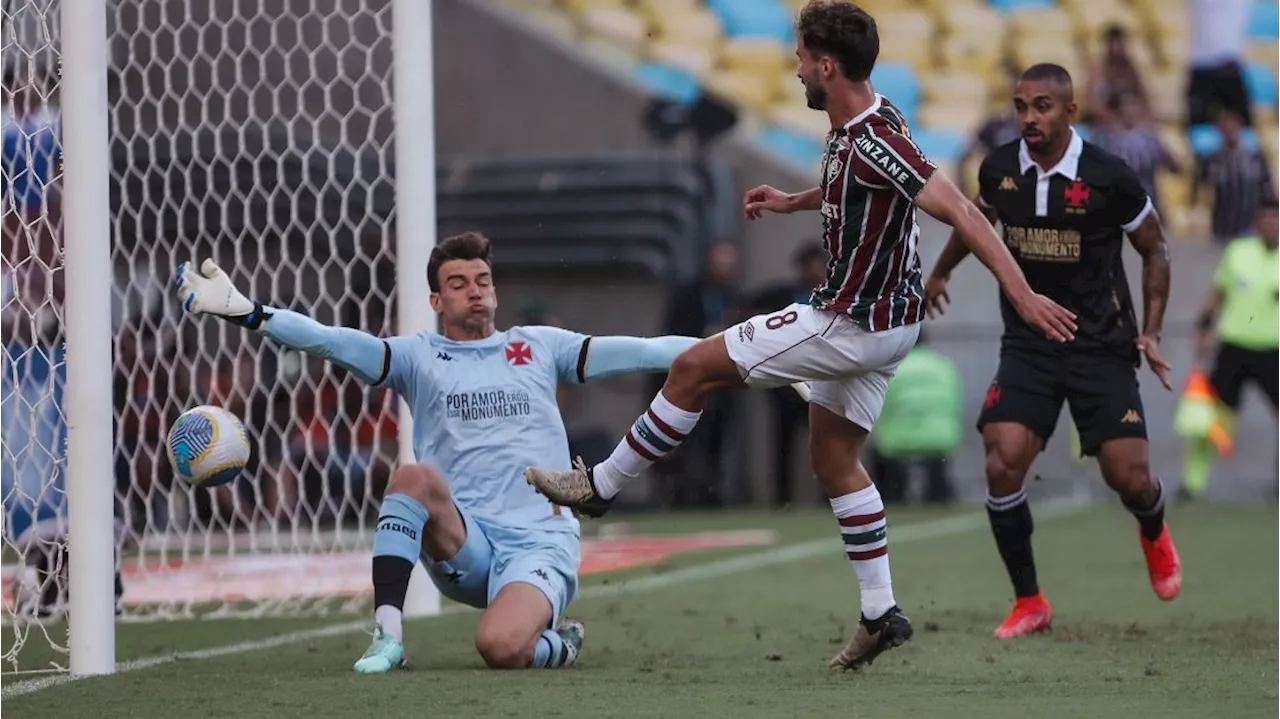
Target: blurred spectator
698 474
1216 57
1000 128
1133 139
1112 80
790 413
340 458
920 425
1239 177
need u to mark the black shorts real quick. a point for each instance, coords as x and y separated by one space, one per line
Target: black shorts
1101 391
1210 89
1236 365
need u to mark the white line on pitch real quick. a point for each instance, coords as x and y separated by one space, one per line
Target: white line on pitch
914 532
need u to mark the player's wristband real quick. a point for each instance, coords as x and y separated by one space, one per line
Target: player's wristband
253 320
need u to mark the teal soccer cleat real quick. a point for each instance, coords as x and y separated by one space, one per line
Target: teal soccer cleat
384 654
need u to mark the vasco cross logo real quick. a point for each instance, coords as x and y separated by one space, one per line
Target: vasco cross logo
519 354
1077 196
1008 184
993 396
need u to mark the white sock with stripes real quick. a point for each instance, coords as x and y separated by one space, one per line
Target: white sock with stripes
654 435
863 528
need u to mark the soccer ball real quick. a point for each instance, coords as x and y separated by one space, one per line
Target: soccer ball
207 446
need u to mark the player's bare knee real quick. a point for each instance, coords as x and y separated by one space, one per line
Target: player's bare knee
502 648
1129 477
422 482
1004 473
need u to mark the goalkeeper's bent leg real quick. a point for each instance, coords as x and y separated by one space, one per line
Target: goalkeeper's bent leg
418 494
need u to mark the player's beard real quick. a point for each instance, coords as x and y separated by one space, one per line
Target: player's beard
815 96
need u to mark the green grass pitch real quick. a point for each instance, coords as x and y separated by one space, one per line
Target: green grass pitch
747 633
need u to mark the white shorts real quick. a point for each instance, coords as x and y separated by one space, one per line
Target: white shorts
848 368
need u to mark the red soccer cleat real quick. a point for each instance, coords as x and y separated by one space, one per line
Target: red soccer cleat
1029 615
1163 565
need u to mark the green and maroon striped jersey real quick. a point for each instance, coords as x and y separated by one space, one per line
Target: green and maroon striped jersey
871 174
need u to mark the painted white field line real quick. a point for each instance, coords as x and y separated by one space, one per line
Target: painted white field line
915 532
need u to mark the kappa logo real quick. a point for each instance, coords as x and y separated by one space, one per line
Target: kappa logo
541 573
519 354
1131 417
746 332
444 356
1008 184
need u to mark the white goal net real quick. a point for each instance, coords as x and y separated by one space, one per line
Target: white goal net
258 134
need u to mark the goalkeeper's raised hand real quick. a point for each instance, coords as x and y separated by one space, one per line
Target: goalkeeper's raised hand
210 291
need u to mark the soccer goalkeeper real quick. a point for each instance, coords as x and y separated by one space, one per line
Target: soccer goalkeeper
484 408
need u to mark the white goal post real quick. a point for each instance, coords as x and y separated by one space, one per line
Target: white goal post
262 135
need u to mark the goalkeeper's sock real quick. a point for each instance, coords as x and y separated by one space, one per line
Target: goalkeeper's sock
866 542
552 651
654 435
397 544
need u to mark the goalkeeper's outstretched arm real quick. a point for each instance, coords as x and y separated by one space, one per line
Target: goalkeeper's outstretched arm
210 292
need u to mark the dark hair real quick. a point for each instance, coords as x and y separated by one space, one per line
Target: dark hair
467 246
845 32
1047 71
1268 201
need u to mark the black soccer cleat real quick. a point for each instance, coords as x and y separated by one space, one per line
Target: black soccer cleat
872 638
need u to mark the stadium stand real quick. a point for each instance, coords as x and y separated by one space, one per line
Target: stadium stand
942 61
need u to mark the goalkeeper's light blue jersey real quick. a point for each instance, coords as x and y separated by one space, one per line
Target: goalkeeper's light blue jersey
485 410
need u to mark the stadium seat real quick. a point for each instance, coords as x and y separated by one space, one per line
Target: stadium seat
960 117
744 87
671 82
795 116
1264 21
897 82
759 54
754 18
955 86
616 23
940 146
1265 54
800 149
1018 5
698 57
1261 82
906 36
693 24
1167 91
1206 140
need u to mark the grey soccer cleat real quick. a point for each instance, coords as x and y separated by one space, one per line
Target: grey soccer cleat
573 488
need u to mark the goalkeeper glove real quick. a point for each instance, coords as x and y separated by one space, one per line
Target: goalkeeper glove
210 292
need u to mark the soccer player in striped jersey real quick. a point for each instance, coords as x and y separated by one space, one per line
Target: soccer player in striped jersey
848 339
